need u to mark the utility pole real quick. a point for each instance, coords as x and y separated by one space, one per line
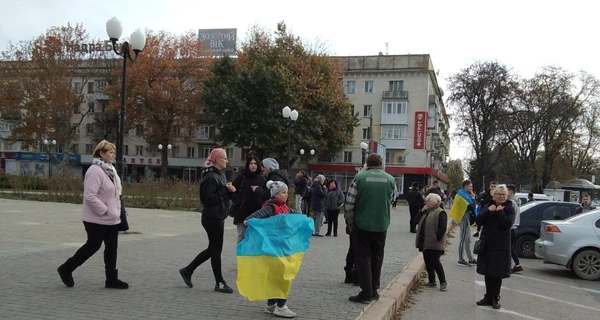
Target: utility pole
371 132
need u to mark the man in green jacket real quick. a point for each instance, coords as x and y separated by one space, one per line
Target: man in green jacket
367 213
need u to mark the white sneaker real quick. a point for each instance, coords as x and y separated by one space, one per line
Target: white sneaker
284 312
270 309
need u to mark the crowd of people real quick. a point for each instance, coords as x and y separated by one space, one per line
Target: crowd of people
261 192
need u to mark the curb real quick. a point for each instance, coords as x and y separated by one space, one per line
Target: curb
396 291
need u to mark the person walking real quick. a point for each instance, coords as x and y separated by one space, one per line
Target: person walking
101 214
246 196
300 184
415 203
494 262
512 189
319 197
215 192
335 198
433 223
367 213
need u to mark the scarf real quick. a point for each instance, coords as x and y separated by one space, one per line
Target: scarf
112 173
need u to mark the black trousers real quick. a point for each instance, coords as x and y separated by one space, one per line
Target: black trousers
434 265
492 287
368 251
513 248
96 234
332 218
413 217
350 256
215 228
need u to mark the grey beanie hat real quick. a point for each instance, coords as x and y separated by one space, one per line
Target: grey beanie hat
270 164
275 187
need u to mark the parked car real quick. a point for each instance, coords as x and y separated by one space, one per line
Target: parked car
573 243
532 214
523 197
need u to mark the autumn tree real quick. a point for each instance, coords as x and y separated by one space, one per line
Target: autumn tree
481 96
37 83
244 97
455 174
164 88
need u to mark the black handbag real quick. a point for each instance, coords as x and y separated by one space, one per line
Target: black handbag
124 225
235 207
479 247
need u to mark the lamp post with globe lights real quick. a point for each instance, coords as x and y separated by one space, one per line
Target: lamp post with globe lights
137 41
164 160
290 116
364 147
311 153
49 144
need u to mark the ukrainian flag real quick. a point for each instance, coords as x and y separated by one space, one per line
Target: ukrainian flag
461 201
270 256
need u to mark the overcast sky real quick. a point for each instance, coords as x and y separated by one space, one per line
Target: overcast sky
523 34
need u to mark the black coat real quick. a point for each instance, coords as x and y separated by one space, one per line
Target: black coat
248 201
300 185
214 195
277 175
495 261
415 200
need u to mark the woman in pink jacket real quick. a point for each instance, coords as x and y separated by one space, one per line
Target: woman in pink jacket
101 217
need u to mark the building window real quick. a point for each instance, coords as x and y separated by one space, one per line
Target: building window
367 110
126 150
89 128
12 146
400 183
229 152
76 109
90 87
394 132
101 85
203 133
395 107
89 149
191 152
139 130
348 156
75 128
396 86
91 107
369 86
139 151
351 87
352 108
206 151
389 158
77 87
74 148
366 134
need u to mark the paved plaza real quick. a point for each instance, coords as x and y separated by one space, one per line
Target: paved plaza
36 237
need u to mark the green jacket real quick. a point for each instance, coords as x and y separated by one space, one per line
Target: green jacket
372 195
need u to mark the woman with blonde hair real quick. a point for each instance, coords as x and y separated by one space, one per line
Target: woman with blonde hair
101 217
432 225
494 262
318 195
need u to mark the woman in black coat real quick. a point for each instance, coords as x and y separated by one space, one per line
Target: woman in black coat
494 262
247 196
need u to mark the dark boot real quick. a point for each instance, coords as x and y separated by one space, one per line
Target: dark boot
495 303
187 277
113 282
66 272
486 301
348 278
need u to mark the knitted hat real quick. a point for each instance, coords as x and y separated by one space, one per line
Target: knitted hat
275 187
270 164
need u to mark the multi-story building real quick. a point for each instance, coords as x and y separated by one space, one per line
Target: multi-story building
397 99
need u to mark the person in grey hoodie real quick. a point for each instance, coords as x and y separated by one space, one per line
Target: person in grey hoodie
271 172
335 198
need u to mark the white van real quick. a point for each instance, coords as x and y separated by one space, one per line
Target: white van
536 196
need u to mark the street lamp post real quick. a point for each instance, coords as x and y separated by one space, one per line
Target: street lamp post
290 116
312 153
114 29
364 146
164 160
49 144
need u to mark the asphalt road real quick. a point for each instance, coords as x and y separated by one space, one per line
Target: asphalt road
541 291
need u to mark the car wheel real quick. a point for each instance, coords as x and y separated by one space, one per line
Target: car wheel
586 265
525 246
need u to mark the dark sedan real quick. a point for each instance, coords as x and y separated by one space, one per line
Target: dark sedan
532 214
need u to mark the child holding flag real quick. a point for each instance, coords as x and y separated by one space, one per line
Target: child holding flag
271 254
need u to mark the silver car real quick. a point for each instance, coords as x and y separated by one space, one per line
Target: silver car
573 243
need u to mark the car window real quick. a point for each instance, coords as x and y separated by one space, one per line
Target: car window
598 223
528 205
556 212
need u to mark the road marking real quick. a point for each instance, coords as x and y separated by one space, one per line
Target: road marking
166 235
482 283
502 310
29 223
13 211
72 244
554 283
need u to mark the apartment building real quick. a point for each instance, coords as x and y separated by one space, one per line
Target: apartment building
397 99
402 117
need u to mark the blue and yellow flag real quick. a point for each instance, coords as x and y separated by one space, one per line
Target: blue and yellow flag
270 256
461 201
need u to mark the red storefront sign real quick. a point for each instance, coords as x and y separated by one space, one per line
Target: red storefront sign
420 129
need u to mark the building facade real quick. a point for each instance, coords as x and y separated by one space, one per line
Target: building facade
396 97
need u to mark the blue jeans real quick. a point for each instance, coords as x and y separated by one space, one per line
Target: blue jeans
298 203
280 302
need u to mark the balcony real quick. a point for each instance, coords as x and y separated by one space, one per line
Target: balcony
395 95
